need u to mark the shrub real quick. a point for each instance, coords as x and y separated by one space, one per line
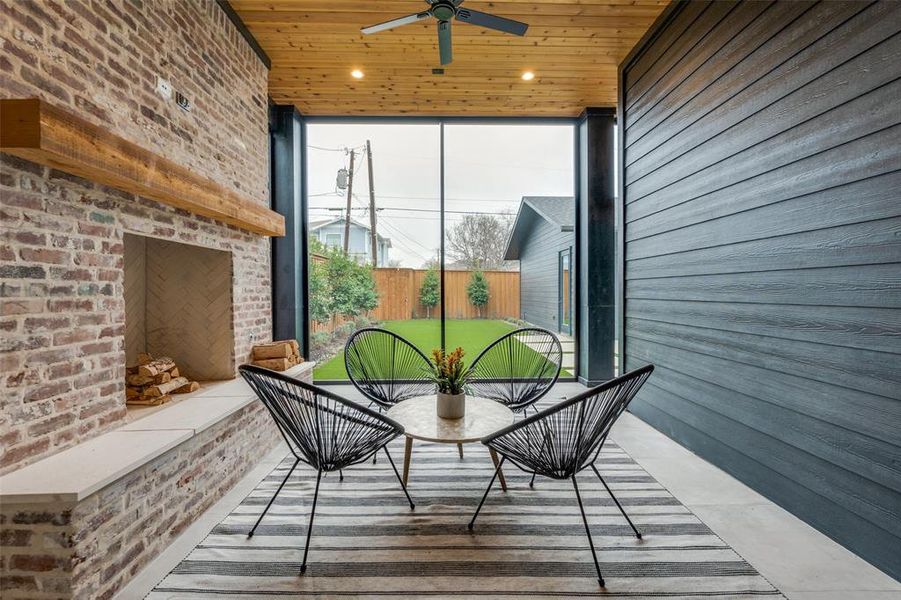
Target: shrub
320 338
320 296
430 291
347 329
477 290
340 286
351 285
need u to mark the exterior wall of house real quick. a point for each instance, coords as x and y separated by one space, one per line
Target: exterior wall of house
360 245
61 253
762 212
539 288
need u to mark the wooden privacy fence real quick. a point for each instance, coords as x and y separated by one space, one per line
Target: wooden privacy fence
399 295
398 291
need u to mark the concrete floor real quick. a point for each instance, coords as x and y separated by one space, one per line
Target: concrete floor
801 562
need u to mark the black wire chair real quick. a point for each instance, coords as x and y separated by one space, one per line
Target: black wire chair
322 430
385 367
518 368
564 439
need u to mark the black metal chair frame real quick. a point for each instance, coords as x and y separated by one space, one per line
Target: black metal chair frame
328 438
386 392
563 454
503 388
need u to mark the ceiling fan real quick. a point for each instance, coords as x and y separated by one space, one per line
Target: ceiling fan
445 10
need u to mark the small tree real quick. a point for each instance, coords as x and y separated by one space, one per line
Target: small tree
430 291
351 285
477 290
339 286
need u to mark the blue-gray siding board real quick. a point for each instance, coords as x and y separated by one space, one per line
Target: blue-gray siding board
762 209
539 274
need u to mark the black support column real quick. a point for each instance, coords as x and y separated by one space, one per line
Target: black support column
289 265
596 222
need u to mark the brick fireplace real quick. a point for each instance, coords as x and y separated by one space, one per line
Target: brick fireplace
66 329
62 259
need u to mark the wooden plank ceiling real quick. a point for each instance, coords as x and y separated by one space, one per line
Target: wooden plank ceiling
572 46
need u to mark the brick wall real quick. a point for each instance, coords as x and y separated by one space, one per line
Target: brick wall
61 308
93 548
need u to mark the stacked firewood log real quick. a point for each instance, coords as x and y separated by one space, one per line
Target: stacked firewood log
277 356
151 381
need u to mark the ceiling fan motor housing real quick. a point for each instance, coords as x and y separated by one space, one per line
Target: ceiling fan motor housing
443 11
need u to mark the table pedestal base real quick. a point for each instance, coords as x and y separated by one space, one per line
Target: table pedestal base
408 451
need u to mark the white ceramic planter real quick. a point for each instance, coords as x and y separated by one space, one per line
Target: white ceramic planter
451 406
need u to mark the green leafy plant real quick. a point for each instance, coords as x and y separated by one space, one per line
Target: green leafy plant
351 285
320 296
339 285
449 372
430 291
477 291
320 338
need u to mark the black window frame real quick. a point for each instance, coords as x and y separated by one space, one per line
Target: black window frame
441 121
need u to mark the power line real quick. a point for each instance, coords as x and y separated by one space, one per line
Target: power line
448 199
409 249
429 252
395 197
344 149
453 160
405 236
419 210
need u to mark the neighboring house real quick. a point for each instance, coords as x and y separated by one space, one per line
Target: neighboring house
542 240
331 233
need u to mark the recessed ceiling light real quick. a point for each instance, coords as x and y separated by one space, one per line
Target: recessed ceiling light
528 76
356 74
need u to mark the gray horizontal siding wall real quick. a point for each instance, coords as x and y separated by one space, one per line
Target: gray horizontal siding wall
762 191
538 288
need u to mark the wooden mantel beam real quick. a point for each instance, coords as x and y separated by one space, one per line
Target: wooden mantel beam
40 132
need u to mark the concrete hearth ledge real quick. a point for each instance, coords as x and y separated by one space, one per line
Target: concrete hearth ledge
74 474
78 472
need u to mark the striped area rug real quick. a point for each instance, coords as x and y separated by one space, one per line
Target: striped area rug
527 543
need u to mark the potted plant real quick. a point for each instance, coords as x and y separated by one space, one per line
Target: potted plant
450 374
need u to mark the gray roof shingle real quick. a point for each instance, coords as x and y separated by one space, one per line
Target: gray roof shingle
557 210
560 210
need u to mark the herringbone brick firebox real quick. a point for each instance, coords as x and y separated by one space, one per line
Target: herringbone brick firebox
178 303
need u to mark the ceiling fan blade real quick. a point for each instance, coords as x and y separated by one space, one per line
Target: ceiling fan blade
445 49
474 17
395 22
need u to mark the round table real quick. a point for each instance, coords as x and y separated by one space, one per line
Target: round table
419 417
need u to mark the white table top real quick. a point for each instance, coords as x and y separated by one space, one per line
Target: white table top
420 419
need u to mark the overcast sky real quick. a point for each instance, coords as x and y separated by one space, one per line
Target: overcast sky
489 168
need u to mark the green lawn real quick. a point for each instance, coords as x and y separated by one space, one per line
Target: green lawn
473 335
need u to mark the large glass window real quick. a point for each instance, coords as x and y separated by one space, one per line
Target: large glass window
509 212
503 218
374 227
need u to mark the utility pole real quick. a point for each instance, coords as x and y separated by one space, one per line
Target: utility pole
350 192
374 236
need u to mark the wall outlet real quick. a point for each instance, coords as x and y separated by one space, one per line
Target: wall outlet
182 101
163 88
